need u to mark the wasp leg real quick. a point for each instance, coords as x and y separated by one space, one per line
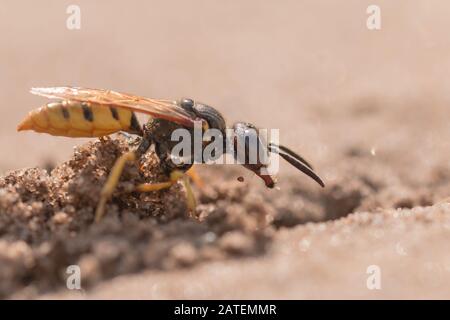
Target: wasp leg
112 181
190 197
193 174
174 177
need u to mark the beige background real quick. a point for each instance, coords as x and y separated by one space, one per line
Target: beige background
337 91
269 62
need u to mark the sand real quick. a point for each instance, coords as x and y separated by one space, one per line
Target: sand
369 109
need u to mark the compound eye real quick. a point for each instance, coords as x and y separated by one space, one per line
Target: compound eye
187 104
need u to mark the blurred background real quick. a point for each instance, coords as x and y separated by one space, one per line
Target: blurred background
369 108
292 65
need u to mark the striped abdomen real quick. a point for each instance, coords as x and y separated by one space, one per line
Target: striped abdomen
80 119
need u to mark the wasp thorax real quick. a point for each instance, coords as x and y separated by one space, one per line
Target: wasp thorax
187 104
213 117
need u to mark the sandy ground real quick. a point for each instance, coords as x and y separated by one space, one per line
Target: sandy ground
367 108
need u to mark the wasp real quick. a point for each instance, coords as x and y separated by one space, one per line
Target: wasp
84 112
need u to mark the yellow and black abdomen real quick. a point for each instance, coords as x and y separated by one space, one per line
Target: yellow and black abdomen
71 118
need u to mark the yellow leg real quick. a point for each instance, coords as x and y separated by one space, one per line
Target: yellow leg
190 197
149 187
112 181
193 174
174 177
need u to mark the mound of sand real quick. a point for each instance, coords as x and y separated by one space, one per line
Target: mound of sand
46 222
46 225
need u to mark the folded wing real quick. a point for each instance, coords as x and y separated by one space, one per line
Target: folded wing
157 108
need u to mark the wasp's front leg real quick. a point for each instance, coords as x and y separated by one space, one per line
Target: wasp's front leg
175 176
116 172
176 172
112 182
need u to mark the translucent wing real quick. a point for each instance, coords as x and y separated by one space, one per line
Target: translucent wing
164 109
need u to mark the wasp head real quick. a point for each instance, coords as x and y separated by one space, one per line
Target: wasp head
252 151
